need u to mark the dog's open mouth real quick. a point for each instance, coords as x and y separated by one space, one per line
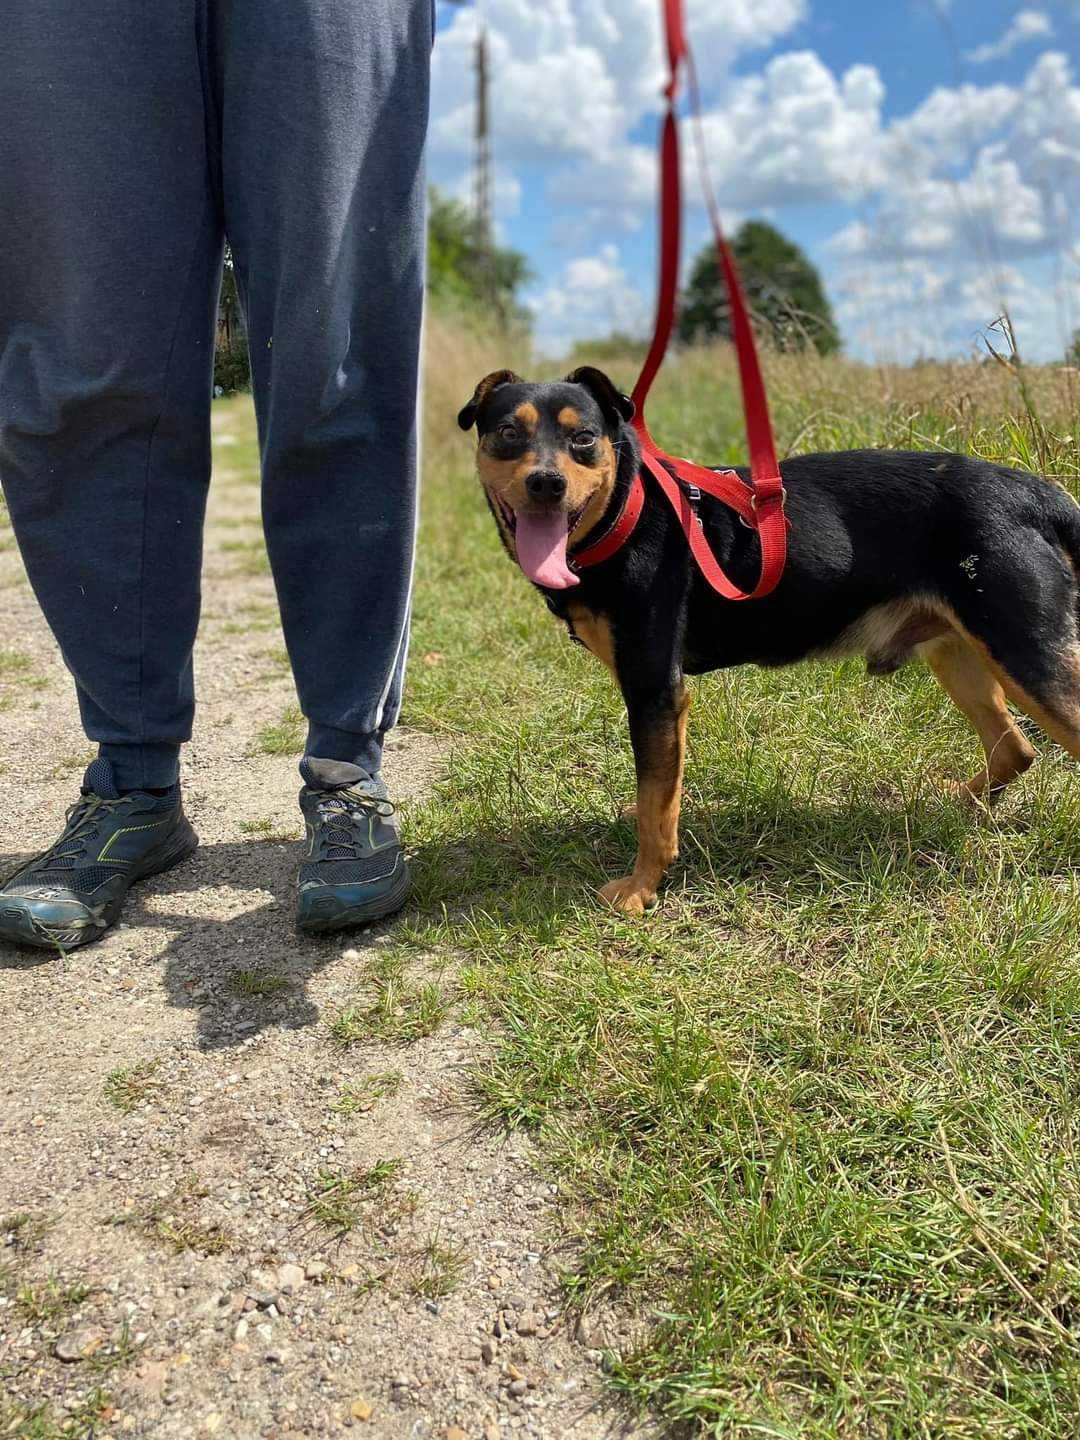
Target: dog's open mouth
540 541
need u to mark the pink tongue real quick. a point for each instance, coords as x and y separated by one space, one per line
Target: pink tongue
541 550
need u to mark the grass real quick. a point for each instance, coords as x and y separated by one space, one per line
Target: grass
17 675
269 830
286 737
51 1300
391 1008
173 1220
364 1095
814 1120
131 1086
250 557
39 1422
256 984
340 1200
437 1270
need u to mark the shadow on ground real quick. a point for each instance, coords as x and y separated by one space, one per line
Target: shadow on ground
228 911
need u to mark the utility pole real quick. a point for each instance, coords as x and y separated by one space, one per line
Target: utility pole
483 203
483 199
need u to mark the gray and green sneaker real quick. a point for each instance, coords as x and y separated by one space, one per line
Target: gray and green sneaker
74 891
355 870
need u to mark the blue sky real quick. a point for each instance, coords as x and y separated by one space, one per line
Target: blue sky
926 153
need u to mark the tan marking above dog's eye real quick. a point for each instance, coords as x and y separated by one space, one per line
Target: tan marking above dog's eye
569 417
528 414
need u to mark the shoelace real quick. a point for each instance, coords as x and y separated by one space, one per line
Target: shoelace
81 824
340 811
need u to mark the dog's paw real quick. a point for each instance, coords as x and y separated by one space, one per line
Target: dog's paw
975 795
629 895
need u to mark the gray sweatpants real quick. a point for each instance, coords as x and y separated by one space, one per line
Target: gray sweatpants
134 136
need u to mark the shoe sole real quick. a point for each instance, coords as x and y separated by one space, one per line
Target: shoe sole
328 913
19 925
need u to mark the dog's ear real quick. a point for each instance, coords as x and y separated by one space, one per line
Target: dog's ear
467 413
611 400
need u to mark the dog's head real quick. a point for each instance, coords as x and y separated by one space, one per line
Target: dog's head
548 458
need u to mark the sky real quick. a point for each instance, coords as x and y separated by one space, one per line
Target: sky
925 154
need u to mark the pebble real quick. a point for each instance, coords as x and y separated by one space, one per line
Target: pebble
528 1324
492 1431
240 1333
488 1351
455 1432
291 1277
78 1345
518 1387
361 1409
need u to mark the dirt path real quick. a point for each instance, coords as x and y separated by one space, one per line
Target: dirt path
221 1220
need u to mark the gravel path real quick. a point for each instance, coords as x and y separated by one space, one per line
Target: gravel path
213 1220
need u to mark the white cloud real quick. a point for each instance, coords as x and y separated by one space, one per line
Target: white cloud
796 135
591 295
1027 25
976 179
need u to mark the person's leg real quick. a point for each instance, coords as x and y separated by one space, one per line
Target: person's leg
110 251
324 109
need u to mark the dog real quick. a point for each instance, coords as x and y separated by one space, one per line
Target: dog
972 567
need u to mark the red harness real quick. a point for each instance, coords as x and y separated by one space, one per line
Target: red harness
761 503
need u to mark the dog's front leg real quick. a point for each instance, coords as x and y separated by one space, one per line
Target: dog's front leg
658 733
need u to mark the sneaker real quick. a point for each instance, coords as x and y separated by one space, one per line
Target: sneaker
355 870
74 891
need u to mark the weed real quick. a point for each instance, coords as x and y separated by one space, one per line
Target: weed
131 1086
338 1199
437 1270
49 1301
286 737
362 1096
256 984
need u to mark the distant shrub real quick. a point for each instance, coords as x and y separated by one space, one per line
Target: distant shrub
232 368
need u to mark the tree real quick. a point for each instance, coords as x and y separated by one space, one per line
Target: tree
783 290
1072 353
462 269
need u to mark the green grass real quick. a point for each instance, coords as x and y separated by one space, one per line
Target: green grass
250 557
364 1095
17 675
50 1300
133 1085
437 1270
814 1119
341 1200
391 1007
286 737
38 1422
257 984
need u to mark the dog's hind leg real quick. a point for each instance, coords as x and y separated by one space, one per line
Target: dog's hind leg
966 678
658 733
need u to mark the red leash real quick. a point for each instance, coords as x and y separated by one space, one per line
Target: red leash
761 504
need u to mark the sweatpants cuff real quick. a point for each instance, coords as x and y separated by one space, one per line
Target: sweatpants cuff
325 743
143 767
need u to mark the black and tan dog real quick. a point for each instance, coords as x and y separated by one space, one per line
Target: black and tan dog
893 554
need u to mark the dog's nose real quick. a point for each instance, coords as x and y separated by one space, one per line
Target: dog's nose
546 485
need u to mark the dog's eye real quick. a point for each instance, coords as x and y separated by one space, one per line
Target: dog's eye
583 440
507 432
